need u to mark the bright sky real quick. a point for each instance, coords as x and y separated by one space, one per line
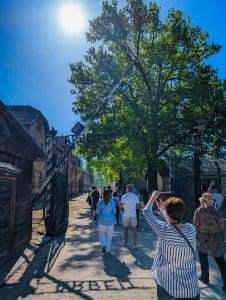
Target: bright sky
36 50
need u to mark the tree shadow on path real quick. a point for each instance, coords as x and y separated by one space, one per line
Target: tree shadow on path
114 267
143 261
37 270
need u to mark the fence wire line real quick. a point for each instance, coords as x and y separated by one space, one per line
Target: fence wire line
82 133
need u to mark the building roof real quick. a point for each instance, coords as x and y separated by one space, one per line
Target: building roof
10 128
209 167
27 115
9 168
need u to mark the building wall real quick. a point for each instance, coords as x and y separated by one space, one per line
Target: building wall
223 185
37 131
73 174
22 217
86 182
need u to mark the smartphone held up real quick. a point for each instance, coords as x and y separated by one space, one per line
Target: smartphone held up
163 196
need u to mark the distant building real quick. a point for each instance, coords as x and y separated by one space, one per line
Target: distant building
183 176
18 151
57 146
38 127
85 182
74 171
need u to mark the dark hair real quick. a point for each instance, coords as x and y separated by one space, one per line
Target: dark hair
106 196
175 208
115 194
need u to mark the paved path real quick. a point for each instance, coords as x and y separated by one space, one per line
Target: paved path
71 267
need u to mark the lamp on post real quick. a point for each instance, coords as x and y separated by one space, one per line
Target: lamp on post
197 162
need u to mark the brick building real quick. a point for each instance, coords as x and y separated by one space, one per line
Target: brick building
85 182
57 146
38 127
74 171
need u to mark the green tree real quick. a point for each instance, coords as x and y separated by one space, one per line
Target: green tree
170 90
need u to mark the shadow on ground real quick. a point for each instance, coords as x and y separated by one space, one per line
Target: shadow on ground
114 267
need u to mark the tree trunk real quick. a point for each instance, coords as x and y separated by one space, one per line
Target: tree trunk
120 180
152 176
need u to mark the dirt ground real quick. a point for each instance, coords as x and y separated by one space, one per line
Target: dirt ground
72 267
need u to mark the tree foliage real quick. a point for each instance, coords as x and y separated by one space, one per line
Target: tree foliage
170 91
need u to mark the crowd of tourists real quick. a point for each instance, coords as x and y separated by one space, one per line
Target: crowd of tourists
174 266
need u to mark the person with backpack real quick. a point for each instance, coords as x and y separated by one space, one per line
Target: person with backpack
210 238
95 195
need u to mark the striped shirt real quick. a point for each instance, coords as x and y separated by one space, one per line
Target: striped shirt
174 266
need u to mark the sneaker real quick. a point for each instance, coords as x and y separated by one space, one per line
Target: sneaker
135 247
204 280
104 250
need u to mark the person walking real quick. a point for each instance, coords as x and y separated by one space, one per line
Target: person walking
95 195
129 204
106 218
138 208
116 199
174 267
210 238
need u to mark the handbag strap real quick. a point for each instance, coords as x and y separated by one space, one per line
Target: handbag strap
189 244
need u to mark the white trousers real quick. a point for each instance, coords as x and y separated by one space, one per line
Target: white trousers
105 235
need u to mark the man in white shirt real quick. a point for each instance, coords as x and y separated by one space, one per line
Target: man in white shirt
130 202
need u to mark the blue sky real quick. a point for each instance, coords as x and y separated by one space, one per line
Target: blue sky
35 52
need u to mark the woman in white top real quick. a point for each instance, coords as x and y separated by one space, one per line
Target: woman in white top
174 267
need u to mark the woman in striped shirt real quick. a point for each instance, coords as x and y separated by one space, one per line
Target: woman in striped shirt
174 267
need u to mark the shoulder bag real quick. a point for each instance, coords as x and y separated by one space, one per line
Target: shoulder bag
189 244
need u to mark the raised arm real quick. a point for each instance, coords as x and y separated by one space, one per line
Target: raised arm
157 225
210 188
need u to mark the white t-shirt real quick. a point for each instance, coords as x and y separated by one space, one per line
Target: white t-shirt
218 200
130 200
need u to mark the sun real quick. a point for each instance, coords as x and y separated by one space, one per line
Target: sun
72 18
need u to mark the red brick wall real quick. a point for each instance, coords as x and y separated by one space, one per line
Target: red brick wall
73 175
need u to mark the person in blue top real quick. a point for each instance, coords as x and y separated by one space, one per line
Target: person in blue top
106 218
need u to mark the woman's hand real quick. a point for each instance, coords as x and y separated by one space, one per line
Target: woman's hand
160 205
152 199
155 196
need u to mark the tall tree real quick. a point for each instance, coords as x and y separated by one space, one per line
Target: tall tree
169 91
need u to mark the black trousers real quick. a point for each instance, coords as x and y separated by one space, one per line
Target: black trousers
138 216
163 295
117 214
203 257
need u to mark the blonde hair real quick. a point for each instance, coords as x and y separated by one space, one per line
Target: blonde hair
206 200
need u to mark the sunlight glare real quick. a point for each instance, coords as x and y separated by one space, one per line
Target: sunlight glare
72 18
